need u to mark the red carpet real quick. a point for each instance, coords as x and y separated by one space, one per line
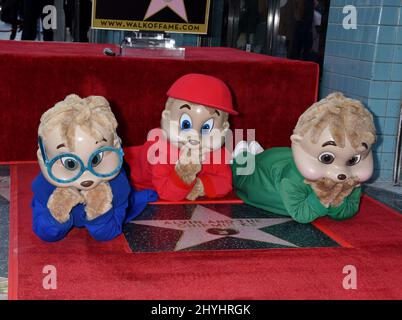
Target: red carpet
91 270
270 93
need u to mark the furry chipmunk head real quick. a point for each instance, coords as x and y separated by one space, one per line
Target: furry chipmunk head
333 139
80 129
194 125
197 111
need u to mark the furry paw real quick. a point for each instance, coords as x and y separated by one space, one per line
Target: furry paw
347 188
62 201
187 172
98 200
189 165
197 191
326 190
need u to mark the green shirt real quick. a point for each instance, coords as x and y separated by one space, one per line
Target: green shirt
276 185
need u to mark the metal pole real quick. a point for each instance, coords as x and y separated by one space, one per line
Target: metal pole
398 153
275 27
230 39
270 26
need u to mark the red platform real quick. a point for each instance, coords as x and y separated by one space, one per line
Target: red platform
88 269
270 93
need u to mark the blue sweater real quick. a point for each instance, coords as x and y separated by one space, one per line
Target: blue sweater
126 205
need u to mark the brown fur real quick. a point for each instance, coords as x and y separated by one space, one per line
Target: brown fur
62 201
188 165
346 118
187 172
330 192
74 111
98 200
197 191
347 188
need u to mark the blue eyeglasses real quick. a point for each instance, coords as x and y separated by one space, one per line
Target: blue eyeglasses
68 167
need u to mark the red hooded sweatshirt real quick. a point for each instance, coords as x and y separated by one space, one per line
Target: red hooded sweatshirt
152 166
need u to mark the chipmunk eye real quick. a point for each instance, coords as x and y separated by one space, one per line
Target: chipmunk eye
69 163
326 157
354 160
185 122
97 159
207 126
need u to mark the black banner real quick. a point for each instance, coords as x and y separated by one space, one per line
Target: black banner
181 16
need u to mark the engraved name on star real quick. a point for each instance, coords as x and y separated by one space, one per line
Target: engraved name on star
206 225
176 5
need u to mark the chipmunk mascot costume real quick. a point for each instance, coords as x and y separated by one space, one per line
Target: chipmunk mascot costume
81 183
186 157
322 172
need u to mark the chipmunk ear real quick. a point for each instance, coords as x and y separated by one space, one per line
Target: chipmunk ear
39 155
165 114
296 139
226 126
116 140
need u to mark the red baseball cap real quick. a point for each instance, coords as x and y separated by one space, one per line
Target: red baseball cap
202 89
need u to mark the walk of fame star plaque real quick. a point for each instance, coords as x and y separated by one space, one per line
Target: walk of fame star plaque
182 16
218 227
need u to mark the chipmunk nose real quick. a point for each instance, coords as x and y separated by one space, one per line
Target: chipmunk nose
341 176
87 183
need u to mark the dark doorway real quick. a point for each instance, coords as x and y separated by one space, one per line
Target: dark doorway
295 29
